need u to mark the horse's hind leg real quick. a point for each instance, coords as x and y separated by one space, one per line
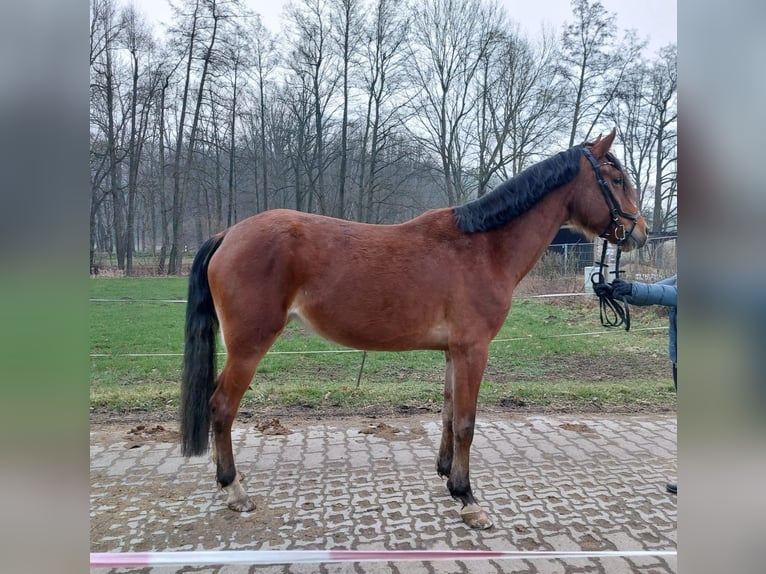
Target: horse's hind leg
244 353
230 388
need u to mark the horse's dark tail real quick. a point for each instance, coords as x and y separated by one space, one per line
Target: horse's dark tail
198 380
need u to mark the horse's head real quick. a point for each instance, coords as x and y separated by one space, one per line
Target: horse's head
606 203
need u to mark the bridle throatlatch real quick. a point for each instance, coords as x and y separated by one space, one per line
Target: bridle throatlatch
612 312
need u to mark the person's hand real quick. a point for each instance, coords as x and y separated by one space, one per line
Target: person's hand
602 289
621 288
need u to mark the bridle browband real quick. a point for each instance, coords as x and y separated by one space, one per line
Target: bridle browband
610 310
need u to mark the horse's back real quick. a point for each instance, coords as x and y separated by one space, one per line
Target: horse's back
361 285
312 242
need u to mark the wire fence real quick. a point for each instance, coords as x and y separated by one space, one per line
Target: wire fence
151 368
560 263
566 268
561 273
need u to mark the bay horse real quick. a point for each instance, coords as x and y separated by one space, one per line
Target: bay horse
441 281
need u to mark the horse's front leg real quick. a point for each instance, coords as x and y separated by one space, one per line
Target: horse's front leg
468 366
446 448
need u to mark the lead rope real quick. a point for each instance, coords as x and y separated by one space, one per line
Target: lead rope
611 311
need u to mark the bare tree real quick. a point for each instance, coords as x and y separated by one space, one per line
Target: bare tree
315 66
100 38
644 112
165 72
450 40
138 42
348 24
214 131
594 63
519 110
383 79
279 120
188 30
106 117
295 97
198 29
265 62
665 75
237 57
373 109
634 116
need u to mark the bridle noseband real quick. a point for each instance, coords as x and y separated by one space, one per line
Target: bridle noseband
611 312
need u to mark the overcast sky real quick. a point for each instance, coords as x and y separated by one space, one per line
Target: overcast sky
654 20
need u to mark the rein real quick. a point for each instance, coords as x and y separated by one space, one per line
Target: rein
611 311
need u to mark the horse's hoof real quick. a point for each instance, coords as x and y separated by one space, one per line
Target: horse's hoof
246 505
475 517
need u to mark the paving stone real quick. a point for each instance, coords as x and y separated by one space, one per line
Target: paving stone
549 483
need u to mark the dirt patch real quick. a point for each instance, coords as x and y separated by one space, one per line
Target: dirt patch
576 427
380 429
142 434
391 432
512 402
272 427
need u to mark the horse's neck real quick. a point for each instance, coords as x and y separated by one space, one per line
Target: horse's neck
525 239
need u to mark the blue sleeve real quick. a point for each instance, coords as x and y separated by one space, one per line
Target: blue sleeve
661 293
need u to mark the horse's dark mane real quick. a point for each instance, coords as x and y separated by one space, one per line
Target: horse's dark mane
518 194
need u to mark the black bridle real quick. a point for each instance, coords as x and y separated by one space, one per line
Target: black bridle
611 311
612 203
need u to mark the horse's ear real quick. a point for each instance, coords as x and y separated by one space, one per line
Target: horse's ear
601 146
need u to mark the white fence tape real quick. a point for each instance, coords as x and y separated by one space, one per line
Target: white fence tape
260 557
327 351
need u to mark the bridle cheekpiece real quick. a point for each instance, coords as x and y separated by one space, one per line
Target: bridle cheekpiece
614 206
611 312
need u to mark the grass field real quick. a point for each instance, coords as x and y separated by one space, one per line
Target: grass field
551 354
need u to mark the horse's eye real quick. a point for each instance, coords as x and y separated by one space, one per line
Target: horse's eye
617 181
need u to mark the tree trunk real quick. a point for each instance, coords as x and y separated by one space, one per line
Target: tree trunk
118 201
657 213
361 211
317 183
174 263
232 215
578 103
341 212
374 145
264 185
132 171
163 203
444 151
198 105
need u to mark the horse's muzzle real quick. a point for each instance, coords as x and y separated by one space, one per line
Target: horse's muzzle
636 237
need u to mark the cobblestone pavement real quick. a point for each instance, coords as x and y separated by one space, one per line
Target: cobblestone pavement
549 482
